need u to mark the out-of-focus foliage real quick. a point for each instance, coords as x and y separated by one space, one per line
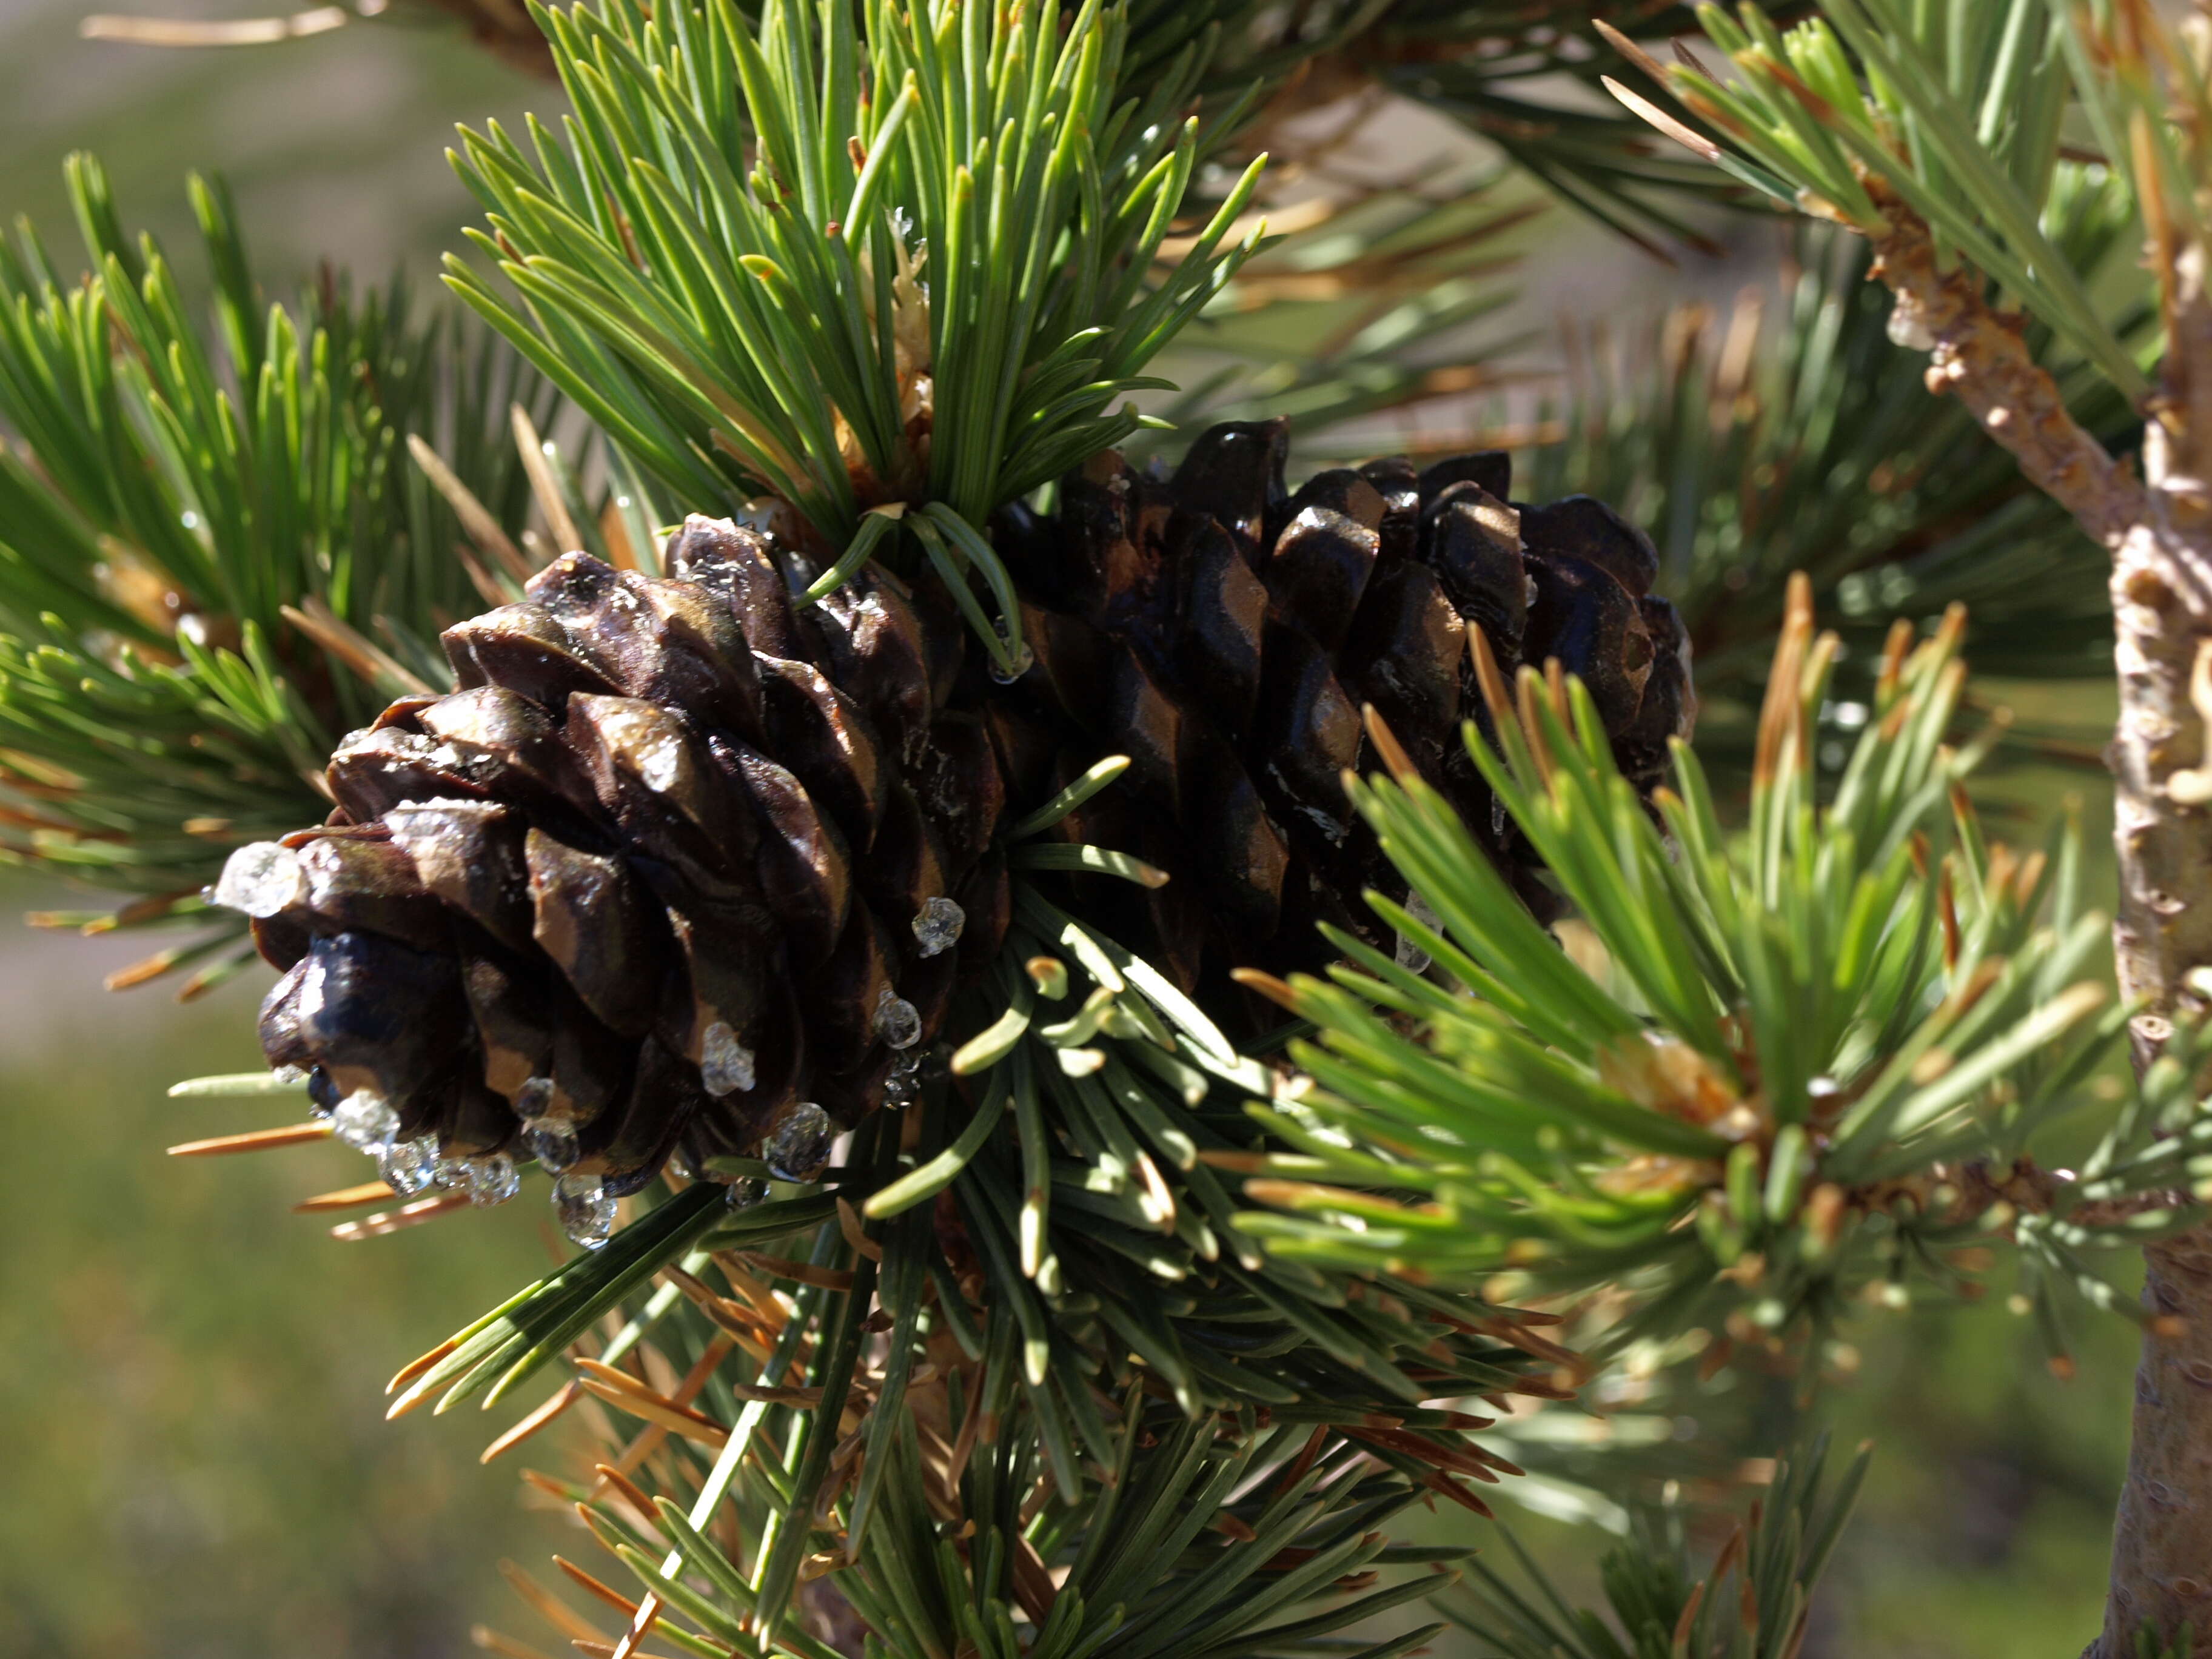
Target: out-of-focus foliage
214 554
1753 1602
197 1370
1355 308
1800 437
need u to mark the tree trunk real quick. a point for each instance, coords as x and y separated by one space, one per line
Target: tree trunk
2162 1575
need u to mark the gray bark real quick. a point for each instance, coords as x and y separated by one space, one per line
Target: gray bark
2161 1571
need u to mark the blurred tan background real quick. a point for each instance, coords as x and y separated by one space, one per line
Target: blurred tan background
195 1461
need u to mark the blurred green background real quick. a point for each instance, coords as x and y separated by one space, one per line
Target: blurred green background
196 1462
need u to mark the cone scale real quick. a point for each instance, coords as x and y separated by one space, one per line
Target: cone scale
1226 632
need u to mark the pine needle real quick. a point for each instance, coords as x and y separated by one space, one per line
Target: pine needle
548 1605
253 1141
492 1641
314 617
482 528
557 1403
551 502
345 1198
386 1222
591 1586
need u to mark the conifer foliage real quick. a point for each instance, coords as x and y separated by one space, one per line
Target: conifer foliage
1107 1031
219 557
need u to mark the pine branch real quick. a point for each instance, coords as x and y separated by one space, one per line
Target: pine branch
1799 437
179 516
1792 1079
1523 78
1961 125
499 27
1250 1542
757 280
1982 358
1086 1293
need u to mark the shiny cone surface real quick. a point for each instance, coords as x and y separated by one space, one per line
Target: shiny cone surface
1226 633
653 872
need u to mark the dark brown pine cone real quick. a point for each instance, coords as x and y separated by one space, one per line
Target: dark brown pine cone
683 868
676 868
1225 632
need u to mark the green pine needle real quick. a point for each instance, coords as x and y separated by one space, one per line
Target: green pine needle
1815 1054
215 558
921 258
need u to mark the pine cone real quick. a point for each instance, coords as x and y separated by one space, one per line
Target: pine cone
675 869
679 868
1225 633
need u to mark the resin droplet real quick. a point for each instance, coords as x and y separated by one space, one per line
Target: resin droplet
746 1192
586 1209
896 1022
451 1174
261 879
903 1086
1908 326
493 1179
409 1166
1410 956
797 1148
288 1074
725 1065
364 1120
657 762
937 925
551 1142
531 1099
